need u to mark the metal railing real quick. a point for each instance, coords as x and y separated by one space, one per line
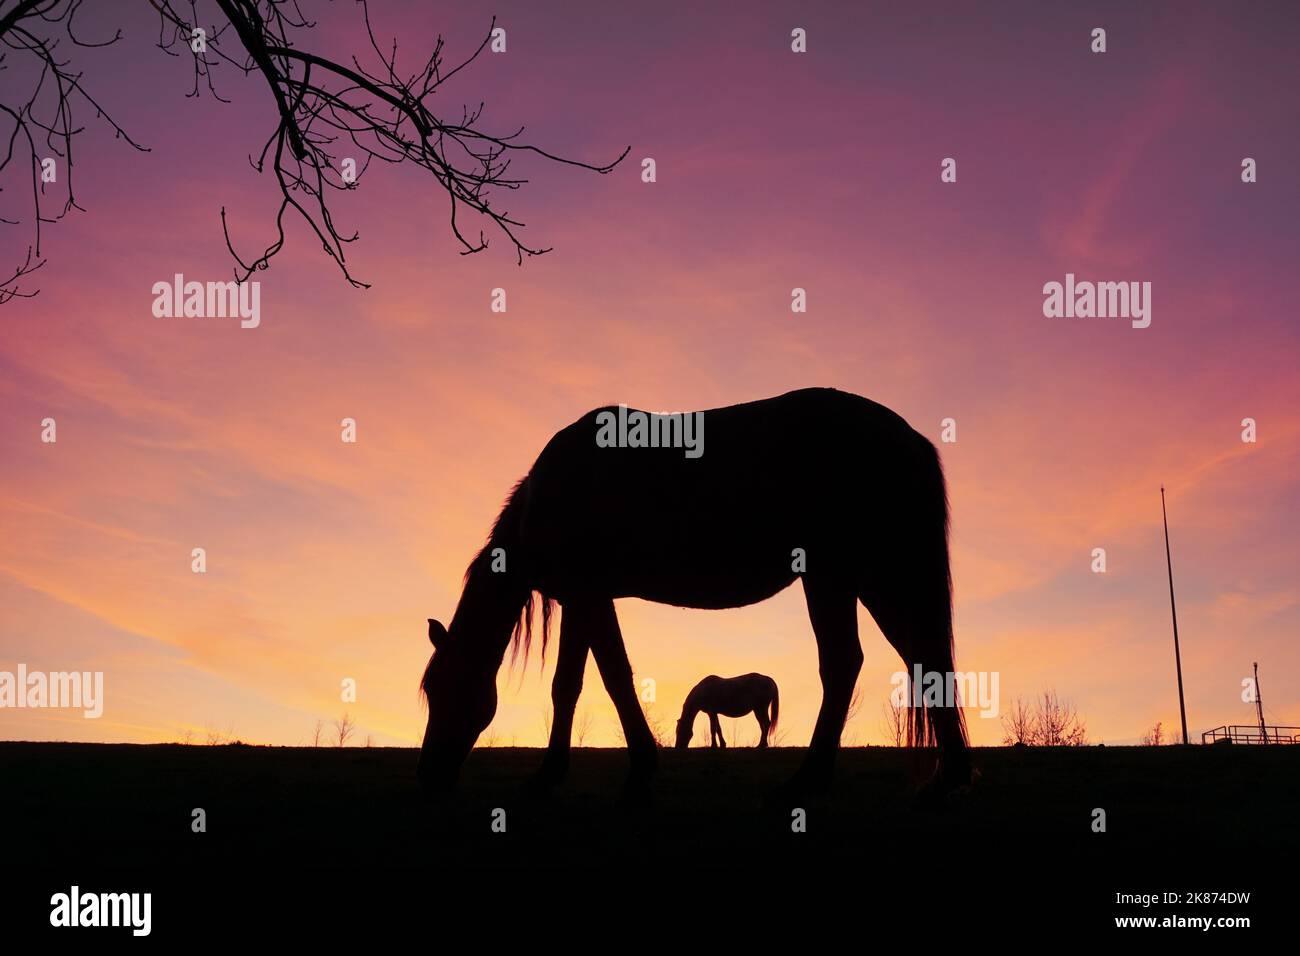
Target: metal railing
1251 734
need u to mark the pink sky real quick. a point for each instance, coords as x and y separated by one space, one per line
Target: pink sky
775 170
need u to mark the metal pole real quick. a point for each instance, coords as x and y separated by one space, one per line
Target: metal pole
1259 705
1173 610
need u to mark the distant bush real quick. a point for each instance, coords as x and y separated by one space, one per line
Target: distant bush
1048 722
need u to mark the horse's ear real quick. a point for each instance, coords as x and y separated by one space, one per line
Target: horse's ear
436 633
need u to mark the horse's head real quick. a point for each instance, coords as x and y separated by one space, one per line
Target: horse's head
462 698
684 730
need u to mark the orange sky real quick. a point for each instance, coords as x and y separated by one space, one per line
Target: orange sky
774 171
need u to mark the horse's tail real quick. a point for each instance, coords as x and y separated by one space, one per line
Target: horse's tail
915 606
933 599
776 710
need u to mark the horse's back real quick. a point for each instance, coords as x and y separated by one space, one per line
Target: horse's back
762 681
736 443
761 686
812 470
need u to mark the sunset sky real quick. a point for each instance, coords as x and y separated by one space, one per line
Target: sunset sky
775 170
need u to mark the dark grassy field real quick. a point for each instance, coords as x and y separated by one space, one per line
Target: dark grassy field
1205 818
131 805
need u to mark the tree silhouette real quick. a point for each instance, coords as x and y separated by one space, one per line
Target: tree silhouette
1050 722
582 728
344 728
1154 737
368 104
1018 724
894 723
654 721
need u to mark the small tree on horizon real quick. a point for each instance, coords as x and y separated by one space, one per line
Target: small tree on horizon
1018 724
582 727
344 728
653 720
894 724
216 738
1049 722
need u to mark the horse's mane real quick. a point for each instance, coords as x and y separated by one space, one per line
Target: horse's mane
507 533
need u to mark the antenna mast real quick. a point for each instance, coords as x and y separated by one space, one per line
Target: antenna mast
1259 705
1173 610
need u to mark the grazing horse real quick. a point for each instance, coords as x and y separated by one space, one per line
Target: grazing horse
816 484
732 697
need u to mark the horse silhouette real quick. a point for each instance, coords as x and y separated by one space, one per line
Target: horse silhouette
732 697
816 484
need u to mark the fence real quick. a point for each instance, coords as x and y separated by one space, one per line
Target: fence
1251 734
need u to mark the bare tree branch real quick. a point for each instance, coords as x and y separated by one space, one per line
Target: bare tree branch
326 111
43 123
383 114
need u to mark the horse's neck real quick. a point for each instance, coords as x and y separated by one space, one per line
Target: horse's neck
692 706
488 609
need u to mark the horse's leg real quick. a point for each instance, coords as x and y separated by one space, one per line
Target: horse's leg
565 689
616 673
760 712
832 608
715 727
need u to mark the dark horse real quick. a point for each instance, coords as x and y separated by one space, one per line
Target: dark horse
732 697
815 484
